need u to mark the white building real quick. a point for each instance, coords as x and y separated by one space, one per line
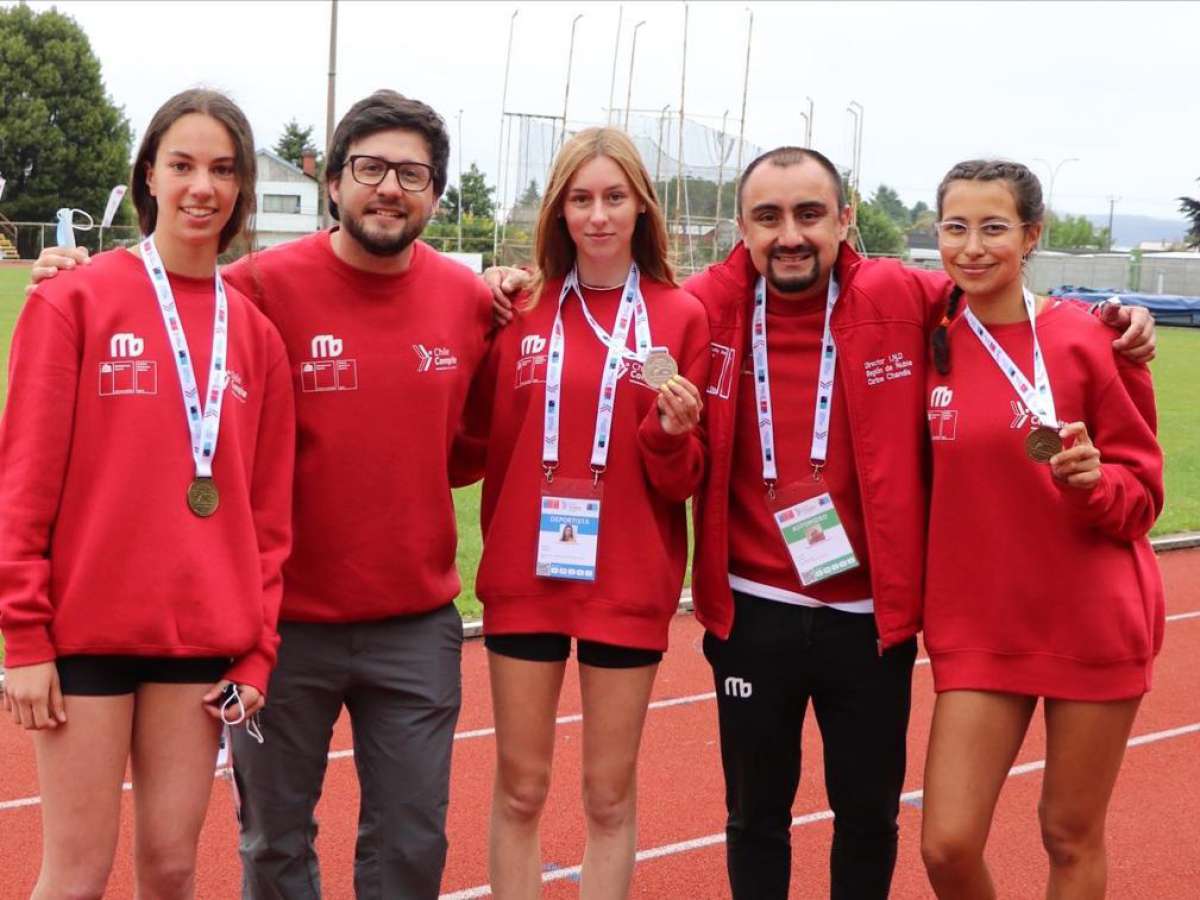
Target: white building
287 199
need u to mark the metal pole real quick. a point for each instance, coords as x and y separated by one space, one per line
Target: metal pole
853 151
612 85
329 102
460 182
679 159
1050 196
567 93
1112 204
720 180
745 92
858 130
629 89
512 21
662 118
808 123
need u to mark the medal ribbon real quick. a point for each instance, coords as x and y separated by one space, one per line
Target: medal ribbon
762 384
203 418
632 307
1037 396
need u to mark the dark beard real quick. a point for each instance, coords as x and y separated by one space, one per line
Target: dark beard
795 285
383 246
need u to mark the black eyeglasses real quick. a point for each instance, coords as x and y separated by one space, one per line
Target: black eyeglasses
371 171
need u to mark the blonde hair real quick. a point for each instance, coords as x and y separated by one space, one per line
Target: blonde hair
554 251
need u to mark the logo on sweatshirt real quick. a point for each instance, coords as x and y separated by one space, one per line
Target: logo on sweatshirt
236 385
532 344
326 371
326 346
943 421
435 359
126 344
1022 416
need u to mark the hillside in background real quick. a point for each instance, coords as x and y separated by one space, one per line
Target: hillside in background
1129 231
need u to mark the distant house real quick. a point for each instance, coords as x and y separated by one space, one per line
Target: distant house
287 199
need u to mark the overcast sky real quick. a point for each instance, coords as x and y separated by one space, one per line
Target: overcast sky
1113 84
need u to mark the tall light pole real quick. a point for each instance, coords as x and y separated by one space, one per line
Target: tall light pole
460 182
1112 205
853 167
329 97
745 91
808 123
512 21
720 181
858 146
679 161
612 85
567 92
629 89
1050 195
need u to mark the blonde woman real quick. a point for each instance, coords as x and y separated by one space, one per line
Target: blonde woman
591 412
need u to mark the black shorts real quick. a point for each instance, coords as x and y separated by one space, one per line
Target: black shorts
110 676
557 647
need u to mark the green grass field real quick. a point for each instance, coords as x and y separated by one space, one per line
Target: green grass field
1177 382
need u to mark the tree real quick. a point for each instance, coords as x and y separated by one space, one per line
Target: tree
888 202
295 142
532 196
920 208
880 235
1074 233
63 142
1190 207
477 197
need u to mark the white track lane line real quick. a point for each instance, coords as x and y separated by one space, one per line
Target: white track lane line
709 840
488 732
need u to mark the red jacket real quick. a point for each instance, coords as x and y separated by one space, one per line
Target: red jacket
649 476
880 326
99 553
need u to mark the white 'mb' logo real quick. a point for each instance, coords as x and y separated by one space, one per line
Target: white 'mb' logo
941 397
126 344
738 687
532 343
326 345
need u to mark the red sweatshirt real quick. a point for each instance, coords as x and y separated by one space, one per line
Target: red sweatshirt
1035 587
757 552
643 528
99 553
380 366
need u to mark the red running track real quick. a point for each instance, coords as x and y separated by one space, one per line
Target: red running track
1154 838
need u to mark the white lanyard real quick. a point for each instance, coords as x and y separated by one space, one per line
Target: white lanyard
632 307
1037 396
203 414
762 384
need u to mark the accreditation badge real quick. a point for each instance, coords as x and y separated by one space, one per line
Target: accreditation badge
569 529
811 528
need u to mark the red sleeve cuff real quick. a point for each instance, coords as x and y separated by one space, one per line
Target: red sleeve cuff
655 439
253 669
27 645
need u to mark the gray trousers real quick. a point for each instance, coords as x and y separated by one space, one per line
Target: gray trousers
401 681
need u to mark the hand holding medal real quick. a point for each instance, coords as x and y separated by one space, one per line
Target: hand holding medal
679 404
1079 464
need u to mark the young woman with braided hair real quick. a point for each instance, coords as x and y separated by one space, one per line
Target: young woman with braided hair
1041 437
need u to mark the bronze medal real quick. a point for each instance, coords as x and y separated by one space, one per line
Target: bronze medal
202 497
1043 443
659 368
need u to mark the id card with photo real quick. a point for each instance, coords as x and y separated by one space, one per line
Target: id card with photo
813 532
568 530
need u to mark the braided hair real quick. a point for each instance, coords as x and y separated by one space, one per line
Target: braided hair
1027 192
